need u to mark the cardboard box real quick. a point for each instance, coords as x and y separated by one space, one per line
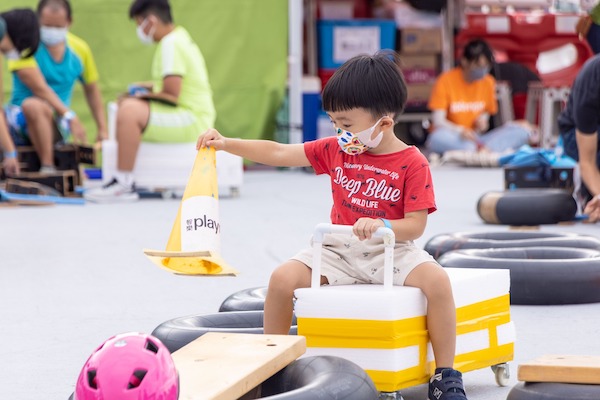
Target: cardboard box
340 40
418 94
420 61
538 177
415 40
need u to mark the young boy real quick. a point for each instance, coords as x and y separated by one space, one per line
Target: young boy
377 180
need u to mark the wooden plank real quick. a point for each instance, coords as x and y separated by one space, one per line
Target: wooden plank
224 366
562 369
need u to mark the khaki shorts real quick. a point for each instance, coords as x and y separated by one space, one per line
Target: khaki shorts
346 260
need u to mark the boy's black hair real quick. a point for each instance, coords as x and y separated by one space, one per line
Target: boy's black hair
159 8
23 29
61 3
477 48
373 83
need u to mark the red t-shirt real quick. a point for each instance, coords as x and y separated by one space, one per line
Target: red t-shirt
374 186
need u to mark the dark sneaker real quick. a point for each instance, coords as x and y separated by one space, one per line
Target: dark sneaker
446 385
112 192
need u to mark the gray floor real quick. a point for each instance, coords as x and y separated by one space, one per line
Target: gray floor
74 275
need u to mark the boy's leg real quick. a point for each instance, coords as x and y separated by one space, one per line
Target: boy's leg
446 383
132 118
39 117
279 306
441 312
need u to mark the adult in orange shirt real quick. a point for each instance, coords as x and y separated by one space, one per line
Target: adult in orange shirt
462 101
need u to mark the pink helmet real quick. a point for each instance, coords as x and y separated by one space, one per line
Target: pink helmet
130 366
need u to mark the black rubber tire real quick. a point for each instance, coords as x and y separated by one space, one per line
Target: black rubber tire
245 300
320 377
538 275
553 391
527 207
178 332
440 244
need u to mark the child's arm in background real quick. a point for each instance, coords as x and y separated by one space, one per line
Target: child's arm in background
261 151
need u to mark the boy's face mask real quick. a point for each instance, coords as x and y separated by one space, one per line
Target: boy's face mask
52 36
360 142
145 38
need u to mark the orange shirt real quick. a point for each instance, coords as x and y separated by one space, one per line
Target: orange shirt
463 101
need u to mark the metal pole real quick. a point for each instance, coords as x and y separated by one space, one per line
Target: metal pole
295 10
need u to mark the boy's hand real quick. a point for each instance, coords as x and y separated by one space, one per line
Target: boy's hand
11 166
213 138
78 131
364 228
592 209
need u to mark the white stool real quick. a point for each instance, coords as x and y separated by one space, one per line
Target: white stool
161 166
547 103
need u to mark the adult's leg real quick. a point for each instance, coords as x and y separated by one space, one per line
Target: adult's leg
279 306
132 118
39 117
509 136
441 311
442 140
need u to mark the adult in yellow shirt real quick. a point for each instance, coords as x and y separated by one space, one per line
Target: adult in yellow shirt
43 86
462 101
19 37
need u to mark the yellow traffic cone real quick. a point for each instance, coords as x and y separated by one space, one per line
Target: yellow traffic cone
194 244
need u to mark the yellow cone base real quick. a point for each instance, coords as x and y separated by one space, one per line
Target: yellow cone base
200 263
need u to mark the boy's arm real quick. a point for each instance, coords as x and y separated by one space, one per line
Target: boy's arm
35 81
169 93
94 100
411 227
9 162
261 151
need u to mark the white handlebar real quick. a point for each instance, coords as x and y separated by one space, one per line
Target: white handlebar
389 239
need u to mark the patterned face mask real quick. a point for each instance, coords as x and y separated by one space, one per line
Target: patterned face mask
358 143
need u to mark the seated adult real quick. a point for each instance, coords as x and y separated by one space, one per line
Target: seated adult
19 37
179 106
579 124
39 108
462 101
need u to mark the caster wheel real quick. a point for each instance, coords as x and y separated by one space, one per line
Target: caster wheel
501 373
390 396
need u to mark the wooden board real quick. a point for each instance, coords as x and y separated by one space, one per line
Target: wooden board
224 366
562 369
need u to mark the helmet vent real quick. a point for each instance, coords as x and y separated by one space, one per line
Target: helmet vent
136 378
91 377
150 345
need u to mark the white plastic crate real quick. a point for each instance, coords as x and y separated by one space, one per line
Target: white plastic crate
168 165
383 329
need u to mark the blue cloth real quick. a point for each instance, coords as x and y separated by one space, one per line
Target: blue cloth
527 156
60 76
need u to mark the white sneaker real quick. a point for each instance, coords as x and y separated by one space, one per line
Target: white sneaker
112 192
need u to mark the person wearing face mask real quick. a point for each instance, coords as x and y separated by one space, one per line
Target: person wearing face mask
39 111
377 181
177 106
462 101
19 37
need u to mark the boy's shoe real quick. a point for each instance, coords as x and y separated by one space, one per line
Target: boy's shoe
446 384
112 192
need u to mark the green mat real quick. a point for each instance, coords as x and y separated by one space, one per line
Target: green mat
244 43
